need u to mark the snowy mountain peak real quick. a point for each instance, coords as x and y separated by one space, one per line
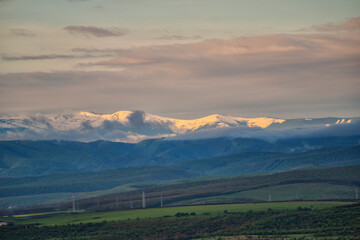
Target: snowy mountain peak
136 125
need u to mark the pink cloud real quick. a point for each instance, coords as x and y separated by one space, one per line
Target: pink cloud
285 73
352 24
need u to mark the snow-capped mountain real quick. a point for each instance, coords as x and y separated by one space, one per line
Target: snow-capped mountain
132 126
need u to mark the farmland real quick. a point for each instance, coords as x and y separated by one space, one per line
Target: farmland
295 219
171 211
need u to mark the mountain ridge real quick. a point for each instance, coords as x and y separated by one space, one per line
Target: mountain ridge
134 126
25 157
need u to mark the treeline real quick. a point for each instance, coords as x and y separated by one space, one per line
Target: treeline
332 222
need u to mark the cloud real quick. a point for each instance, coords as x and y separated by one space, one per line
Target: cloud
108 125
250 52
22 32
177 37
136 119
352 24
273 135
91 31
52 56
283 75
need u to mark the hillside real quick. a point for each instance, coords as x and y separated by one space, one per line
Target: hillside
240 163
329 183
32 158
261 162
86 182
200 191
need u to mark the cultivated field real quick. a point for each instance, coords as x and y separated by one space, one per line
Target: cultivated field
73 218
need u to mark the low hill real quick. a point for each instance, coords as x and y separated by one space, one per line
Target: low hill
86 182
28 190
330 183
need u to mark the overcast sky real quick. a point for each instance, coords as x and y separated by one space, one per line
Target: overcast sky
181 58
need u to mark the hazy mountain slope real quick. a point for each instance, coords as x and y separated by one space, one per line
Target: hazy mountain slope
21 158
24 158
261 162
85 182
133 126
46 157
253 162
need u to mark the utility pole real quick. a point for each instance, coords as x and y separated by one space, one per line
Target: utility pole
161 200
356 193
74 207
143 200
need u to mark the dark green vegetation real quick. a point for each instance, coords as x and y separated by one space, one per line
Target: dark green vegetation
29 158
342 221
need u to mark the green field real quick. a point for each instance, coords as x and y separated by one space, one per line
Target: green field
273 220
171 211
288 192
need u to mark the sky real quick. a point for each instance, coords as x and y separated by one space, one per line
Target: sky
181 58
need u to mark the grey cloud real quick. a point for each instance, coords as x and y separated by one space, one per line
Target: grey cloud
86 125
94 50
273 135
339 130
52 56
38 120
136 119
91 31
177 37
111 125
22 32
38 57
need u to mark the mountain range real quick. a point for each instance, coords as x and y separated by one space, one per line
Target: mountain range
32 158
134 126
